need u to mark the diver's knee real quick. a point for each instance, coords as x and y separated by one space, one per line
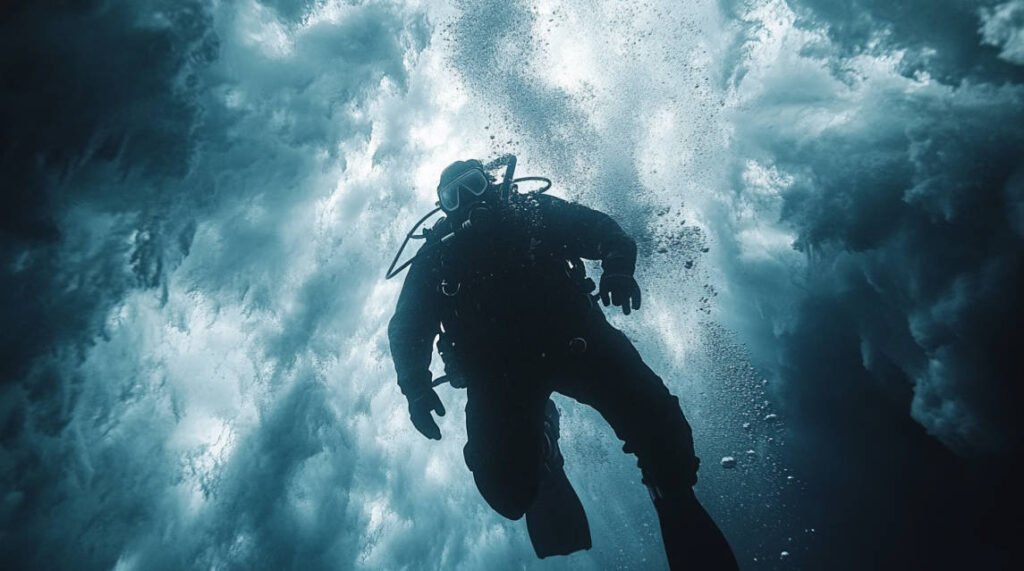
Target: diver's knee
507 481
512 510
506 496
664 449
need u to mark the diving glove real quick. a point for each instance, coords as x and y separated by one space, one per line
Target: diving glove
421 404
621 290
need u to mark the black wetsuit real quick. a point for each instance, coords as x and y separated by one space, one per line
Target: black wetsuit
521 326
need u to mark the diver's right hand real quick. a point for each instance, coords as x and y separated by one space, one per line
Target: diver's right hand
421 405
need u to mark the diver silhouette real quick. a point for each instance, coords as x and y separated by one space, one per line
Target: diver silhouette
500 284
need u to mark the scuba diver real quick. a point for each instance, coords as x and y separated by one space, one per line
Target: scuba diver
501 285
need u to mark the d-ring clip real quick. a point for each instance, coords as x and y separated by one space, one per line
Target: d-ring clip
446 288
577 345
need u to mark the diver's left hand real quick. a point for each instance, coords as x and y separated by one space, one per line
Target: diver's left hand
621 290
421 405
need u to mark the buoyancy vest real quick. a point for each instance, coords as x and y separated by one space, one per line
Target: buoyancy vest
507 293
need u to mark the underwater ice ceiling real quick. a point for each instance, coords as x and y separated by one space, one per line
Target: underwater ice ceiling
202 198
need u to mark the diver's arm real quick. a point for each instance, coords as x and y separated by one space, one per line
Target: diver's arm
586 233
412 329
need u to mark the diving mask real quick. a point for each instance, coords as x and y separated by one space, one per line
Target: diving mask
473 181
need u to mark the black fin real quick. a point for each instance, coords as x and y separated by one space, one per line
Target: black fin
556 521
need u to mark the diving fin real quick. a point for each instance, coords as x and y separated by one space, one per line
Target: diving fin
556 521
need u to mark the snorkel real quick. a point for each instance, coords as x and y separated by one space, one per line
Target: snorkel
509 162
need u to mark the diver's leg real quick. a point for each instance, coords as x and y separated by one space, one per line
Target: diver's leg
504 428
611 377
512 450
